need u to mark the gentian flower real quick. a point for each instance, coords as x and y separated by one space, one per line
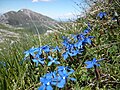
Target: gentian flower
46 81
52 60
88 40
101 14
39 53
86 31
64 69
73 52
57 78
91 64
31 51
46 49
65 38
80 37
38 60
70 52
65 55
79 44
64 75
56 49
65 43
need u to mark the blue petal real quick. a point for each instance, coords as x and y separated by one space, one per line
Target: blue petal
42 79
86 31
88 40
91 37
78 44
36 61
56 49
57 79
54 83
88 62
26 54
57 62
49 64
61 83
41 87
89 66
73 53
60 68
65 55
97 64
73 79
71 71
49 57
46 48
49 87
100 59
94 60
42 62
55 59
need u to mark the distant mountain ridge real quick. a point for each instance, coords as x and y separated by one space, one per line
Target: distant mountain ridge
28 19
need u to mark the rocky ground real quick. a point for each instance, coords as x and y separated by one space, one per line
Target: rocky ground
6 35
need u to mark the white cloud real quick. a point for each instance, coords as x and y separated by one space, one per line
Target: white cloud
67 16
41 0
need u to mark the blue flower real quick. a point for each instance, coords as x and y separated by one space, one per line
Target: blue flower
46 48
38 60
87 40
64 69
86 31
39 53
64 73
80 37
79 44
52 60
65 43
56 49
101 14
70 52
31 51
63 77
57 78
73 52
46 81
65 55
74 37
114 18
91 64
65 38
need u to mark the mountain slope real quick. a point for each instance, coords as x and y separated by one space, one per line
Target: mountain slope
27 19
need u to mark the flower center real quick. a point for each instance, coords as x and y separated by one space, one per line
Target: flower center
63 77
48 83
53 61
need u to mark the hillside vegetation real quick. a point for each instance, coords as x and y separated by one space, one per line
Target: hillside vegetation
82 55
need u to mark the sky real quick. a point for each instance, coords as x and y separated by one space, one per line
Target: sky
56 9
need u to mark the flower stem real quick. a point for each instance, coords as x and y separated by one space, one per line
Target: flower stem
97 72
